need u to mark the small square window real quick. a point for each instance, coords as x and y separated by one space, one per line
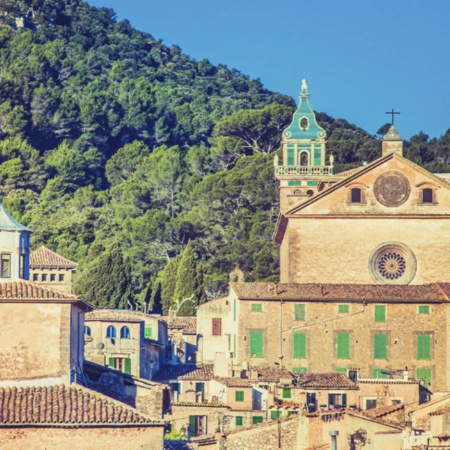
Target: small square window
61 278
287 393
342 309
424 309
239 396
35 277
52 277
239 421
44 277
256 307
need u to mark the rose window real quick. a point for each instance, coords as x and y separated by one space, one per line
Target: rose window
391 265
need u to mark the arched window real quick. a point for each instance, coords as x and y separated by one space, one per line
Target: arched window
304 158
87 330
111 332
125 333
297 192
427 195
356 195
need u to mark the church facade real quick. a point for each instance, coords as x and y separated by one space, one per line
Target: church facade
363 266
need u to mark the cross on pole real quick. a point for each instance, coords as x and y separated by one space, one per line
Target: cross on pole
392 115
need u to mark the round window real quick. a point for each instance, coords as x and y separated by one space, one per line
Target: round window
392 263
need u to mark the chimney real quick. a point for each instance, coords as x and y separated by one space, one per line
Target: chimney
392 142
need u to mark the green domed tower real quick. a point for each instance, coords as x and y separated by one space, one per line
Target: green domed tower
304 151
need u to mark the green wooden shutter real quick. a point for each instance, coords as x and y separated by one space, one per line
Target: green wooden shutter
380 313
193 425
256 307
274 414
341 370
299 312
111 362
425 374
343 308
299 345
380 346
424 309
239 396
290 155
148 332
257 419
423 346
287 393
299 369
343 345
239 421
127 366
256 344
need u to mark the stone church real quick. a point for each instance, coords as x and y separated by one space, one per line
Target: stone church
364 267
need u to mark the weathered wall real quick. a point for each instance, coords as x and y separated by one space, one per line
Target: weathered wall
89 438
65 286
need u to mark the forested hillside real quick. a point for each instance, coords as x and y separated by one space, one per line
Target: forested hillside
118 151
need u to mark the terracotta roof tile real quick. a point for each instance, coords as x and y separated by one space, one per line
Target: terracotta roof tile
428 293
235 382
384 410
71 405
189 324
270 374
106 315
326 381
43 257
203 372
27 290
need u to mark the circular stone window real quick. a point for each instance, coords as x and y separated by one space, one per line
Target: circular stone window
392 189
392 263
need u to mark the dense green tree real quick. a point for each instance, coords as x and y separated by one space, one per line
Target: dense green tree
168 284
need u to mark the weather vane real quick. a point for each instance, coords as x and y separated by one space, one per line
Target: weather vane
392 114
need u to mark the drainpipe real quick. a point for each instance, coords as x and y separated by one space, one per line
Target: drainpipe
334 435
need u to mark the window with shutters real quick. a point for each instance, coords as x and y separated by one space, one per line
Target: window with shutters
239 396
299 370
341 370
343 345
239 421
380 313
425 374
256 307
299 345
380 346
257 419
287 393
125 333
111 332
5 263
424 309
343 309
299 312
256 344
274 414
122 364
423 346
217 326
148 332
337 401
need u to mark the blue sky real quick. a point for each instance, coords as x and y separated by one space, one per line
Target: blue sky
361 57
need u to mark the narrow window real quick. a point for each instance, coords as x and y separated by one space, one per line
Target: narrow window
61 278
380 346
343 346
200 392
22 266
111 332
426 375
380 313
87 330
44 277
356 195
299 345
256 344
427 195
239 421
256 307
216 326
299 312
239 396
52 277
125 333
287 393
424 309
148 332
423 346
343 309
6 265
35 277
304 158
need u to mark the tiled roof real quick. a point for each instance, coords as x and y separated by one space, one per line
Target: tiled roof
439 412
64 405
445 399
106 315
384 410
189 324
43 257
325 381
203 372
27 290
269 374
428 293
235 382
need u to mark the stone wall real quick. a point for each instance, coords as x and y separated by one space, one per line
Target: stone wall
89 438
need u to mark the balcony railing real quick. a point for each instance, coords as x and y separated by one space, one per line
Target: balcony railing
304 170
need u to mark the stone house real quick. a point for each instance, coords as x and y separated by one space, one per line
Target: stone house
182 337
51 270
129 341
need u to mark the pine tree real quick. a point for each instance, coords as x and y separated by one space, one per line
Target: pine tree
168 284
106 281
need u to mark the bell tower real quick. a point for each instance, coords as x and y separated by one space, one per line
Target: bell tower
304 151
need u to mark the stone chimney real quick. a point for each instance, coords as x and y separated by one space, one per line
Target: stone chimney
392 142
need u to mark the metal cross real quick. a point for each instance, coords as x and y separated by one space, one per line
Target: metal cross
392 114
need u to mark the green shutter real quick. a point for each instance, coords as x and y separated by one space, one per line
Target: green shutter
127 366
380 346
341 370
299 345
239 421
343 309
200 388
287 393
274 414
380 313
424 374
111 362
193 425
290 155
299 312
148 332
290 413
376 373
239 396
299 369
424 309
257 419
256 344
343 345
423 346
256 307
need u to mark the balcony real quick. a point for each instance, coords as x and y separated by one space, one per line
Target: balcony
288 171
